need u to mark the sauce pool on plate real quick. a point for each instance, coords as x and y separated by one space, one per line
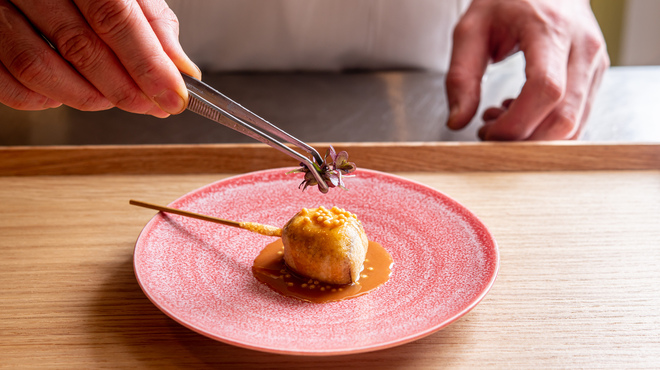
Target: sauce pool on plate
270 269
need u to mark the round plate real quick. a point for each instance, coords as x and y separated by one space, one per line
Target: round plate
199 273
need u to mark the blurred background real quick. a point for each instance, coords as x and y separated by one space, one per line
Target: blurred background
377 106
631 29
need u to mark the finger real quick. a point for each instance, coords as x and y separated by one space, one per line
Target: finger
35 65
469 59
592 96
484 129
585 112
602 65
14 95
166 26
122 25
546 56
565 121
492 113
62 24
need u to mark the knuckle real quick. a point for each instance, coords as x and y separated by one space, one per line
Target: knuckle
563 124
549 86
109 17
605 62
549 22
566 120
30 67
168 17
21 99
90 102
132 100
17 96
554 20
149 69
592 46
516 132
463 77
79 46
464 27
455 77
550 18
601 57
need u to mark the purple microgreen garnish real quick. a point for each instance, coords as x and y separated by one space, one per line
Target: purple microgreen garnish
333 170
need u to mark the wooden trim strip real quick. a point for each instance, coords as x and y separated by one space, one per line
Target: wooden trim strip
391 157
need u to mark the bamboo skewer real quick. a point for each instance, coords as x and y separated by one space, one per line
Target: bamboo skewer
249 226
184 213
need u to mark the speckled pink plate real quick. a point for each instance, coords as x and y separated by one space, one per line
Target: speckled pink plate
199 273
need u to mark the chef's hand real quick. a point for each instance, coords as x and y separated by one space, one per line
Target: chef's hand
565 57
110 53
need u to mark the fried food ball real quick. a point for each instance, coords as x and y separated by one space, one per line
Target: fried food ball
325 245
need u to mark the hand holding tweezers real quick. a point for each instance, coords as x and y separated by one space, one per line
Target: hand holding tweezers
210 103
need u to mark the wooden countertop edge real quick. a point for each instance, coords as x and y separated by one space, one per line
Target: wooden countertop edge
391 157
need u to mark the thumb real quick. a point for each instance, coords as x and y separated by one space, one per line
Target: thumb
469 59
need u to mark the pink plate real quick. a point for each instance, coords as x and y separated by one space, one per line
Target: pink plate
199 273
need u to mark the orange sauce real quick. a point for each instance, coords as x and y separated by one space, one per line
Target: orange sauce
270 269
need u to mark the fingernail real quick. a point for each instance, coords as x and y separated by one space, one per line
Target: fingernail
170 102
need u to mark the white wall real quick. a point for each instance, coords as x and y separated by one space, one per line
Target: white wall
640 36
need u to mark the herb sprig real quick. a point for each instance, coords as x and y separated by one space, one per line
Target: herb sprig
333 170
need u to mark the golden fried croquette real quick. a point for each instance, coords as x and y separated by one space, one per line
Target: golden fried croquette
325 245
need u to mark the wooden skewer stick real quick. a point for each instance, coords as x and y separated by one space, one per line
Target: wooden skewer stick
250 226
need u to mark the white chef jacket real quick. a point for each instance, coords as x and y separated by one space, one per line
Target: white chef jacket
321 35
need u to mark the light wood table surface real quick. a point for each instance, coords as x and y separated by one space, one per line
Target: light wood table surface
578 287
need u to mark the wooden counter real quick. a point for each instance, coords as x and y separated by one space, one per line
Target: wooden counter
578 228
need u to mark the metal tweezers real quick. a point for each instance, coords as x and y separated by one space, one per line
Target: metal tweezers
210 103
